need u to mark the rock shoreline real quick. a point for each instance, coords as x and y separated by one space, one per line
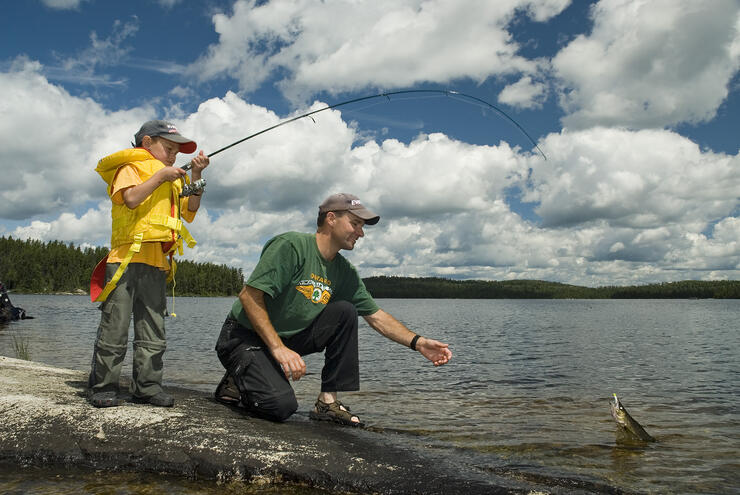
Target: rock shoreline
46 420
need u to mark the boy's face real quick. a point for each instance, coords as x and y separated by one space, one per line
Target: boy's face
163 150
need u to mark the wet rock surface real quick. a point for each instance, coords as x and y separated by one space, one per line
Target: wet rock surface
46 420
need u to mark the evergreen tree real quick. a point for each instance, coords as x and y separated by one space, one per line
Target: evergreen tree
33 266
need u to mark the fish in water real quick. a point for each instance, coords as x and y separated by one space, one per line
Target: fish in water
627 423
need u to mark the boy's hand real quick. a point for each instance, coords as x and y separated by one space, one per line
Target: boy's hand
171 174
199 163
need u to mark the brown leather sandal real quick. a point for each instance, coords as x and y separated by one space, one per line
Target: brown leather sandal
335 412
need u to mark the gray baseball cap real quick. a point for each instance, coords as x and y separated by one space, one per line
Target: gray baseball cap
351 203
167 130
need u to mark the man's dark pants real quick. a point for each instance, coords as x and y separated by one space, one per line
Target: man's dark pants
261 382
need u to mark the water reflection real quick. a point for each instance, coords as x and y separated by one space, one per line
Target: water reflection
43 481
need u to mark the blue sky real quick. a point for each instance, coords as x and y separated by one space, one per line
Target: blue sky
635 103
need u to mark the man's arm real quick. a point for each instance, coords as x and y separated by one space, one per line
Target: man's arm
385 324
253 301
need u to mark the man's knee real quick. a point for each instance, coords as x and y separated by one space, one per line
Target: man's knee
275 408
344 309
264 389
340 316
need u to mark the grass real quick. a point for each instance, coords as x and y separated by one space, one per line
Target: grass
20 345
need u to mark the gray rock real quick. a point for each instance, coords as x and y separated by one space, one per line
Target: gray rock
46 420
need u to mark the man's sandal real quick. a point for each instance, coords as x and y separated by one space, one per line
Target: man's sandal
226 392
335 412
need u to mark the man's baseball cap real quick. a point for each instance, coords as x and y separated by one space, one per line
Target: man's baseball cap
167 130
351 203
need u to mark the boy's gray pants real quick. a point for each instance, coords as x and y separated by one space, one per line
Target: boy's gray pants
141 292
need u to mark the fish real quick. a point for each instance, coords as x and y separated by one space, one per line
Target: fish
627 422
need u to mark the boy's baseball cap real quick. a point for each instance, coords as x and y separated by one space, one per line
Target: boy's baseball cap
351 203
167 130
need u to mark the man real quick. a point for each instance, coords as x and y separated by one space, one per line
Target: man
305 297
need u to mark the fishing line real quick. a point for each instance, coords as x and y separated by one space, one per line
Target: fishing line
456 95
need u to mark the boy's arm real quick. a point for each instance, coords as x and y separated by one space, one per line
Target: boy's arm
199 163
135 195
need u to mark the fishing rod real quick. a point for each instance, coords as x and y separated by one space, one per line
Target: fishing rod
200 184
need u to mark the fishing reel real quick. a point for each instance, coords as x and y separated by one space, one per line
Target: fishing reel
194 189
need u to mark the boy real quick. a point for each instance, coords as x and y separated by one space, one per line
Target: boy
144 188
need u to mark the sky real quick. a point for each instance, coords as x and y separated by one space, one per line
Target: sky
634 104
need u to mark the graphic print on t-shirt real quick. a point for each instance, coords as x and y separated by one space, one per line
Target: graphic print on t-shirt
316 289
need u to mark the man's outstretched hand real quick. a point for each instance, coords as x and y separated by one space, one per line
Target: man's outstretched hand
434 350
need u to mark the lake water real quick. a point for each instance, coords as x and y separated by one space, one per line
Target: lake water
527 391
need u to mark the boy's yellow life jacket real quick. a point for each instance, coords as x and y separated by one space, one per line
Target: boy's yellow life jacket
156 219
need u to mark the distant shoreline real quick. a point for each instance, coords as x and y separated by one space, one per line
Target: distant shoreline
441 288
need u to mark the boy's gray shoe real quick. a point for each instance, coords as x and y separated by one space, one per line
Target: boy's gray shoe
105 399
161 399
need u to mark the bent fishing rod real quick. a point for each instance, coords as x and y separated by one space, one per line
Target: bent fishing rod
197 186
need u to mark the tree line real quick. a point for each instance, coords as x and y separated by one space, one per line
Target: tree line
441 288
54 267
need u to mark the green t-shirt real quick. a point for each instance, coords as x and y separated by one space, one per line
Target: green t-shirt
298 283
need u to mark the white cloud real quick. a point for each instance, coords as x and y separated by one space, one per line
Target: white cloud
50 141
338 46
435 175
617 206
182 93
650 63
92 227
84 67
168 4
285 168
63 4
524 93
642 179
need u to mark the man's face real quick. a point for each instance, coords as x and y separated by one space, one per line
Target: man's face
347 228
163 150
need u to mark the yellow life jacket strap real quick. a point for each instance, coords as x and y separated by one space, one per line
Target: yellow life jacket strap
175 224
135 248
171 279
173 269
171 223
188 239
